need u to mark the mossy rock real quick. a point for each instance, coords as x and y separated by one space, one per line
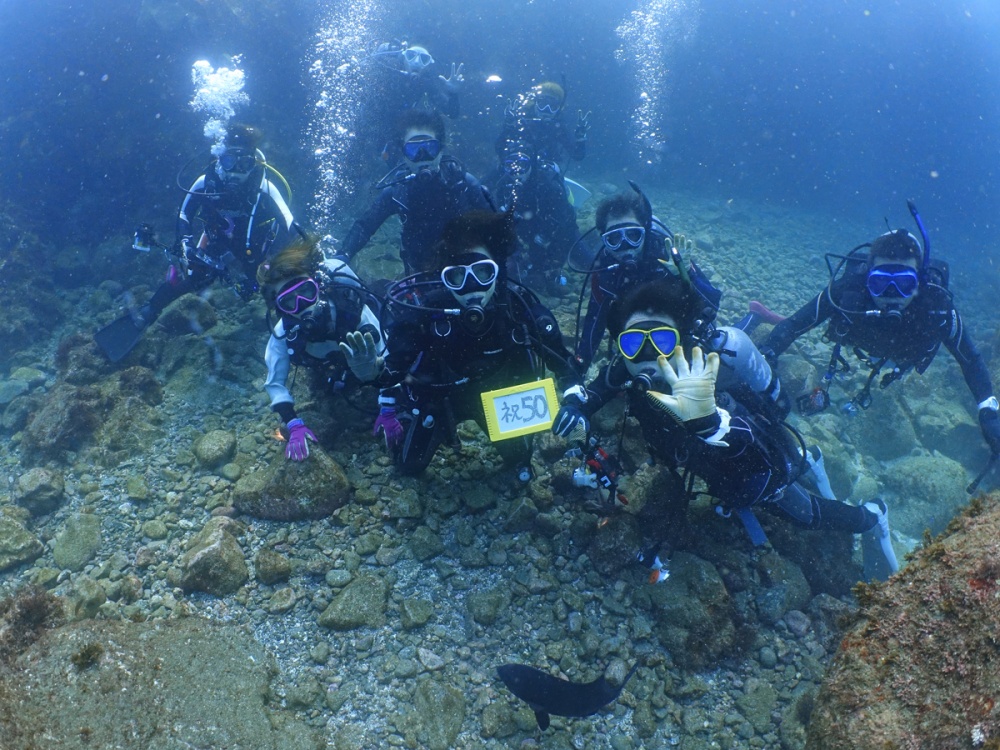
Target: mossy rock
181 683
294 490
215 448
362 603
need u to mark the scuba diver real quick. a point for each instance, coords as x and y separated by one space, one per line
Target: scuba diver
712 418
231 219
545 220
892 306
458 332
635 247
536 117
414 83
326 322
425 190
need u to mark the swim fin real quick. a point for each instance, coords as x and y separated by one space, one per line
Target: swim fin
117 339
576 194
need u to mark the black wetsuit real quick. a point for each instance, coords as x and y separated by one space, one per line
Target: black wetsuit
425 203
550 139
756 462
905 342
545 220
230 230
619 278
438 366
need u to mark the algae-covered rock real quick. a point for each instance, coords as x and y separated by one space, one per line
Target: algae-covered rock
78 542
11 389
485 606
414 612
439 713
17 544
785 589
215 448
613 545
756 703
214 563
694 612
363 602
272 567
40 490
66 419
928 489
181 683
294 490
425 543
189 314
85 598
917 667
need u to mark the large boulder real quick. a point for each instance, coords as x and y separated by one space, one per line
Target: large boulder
694 612
294 490
918 668
167 683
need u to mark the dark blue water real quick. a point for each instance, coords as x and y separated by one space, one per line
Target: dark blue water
848 107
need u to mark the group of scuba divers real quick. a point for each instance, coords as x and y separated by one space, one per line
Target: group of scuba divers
462 336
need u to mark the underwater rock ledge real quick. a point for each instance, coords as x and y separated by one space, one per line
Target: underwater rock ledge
921 666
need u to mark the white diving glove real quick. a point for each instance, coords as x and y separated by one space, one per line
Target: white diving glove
362 356
692 386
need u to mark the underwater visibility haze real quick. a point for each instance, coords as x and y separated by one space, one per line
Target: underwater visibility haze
770 133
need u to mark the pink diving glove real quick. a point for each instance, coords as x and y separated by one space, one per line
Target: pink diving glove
298 440
389 425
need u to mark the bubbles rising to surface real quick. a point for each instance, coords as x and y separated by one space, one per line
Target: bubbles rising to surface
338 77
650 35
217 93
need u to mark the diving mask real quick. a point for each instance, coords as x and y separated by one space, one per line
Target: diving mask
297 297
903 279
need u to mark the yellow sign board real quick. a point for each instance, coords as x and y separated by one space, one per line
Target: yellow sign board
520 409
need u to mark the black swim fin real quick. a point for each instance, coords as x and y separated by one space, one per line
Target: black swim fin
543 720
117 339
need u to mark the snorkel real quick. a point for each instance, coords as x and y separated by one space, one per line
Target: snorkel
924 238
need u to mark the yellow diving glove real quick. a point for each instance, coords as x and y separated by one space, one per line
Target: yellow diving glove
692 386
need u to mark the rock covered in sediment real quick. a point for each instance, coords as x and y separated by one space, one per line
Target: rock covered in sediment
363 602
78 542
169 683
214 562
215 448
919 668
17 544
40 490
695 611
294 490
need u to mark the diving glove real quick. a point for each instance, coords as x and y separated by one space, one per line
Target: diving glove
692 386
362 357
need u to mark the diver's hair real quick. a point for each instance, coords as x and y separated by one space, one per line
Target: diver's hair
301 258
241 135
618 205
550 88
898 245
666 296
477 228
424 120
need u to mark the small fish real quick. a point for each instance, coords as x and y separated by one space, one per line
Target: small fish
494 79
551 695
